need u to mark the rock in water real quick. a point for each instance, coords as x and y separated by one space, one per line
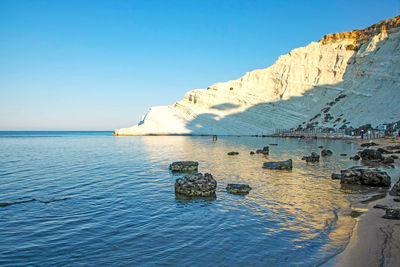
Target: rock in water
196 185
326 152
392 213
278 165
365 176
239 189
395 191
356 157
336 176
233 153
314 157
371 154
184 166
264 151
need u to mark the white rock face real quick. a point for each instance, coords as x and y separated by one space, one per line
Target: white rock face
363 65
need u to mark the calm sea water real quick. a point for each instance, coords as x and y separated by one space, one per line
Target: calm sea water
88 198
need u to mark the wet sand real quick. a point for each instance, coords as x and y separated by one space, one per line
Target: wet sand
375 241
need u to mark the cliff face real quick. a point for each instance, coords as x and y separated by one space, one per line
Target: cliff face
349 78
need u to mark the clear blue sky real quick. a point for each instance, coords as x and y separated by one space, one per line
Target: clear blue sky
99 65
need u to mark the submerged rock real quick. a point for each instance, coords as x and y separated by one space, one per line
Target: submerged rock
278 165
356 157
336 176
326 152
365 176
392 213
314 157
233 153
184 166
196 185
380 206
264 151
239 189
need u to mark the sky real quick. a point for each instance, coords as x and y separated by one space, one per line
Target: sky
100 65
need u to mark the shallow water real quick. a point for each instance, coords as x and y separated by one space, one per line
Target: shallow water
95 199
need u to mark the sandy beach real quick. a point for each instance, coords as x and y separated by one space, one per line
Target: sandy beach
375 241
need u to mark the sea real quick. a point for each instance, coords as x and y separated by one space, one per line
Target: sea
93 199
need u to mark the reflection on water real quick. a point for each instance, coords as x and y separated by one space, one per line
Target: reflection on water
120 207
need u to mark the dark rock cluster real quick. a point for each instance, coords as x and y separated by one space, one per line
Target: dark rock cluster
326 152
264 151
314 157
196 185
278 165
238 189
184 166
365 176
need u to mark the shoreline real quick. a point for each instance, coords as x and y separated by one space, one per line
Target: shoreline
374 241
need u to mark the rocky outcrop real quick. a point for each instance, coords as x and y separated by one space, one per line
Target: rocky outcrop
314 157
238 189
264 151
324 84
278 165
365 176
356 157
184 166
392 213
196 185
326 152
395 191
371 154
233 153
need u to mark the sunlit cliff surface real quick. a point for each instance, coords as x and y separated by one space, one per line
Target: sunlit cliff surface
346 79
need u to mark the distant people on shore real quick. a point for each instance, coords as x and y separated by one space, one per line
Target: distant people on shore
362 134
215 138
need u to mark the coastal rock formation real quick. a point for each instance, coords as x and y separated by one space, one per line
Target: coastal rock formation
356 157
278 165
392 213
239 189
371 154
196 185
314 157
324 84
264 151
184 166
395 191
364 176
326 152
233 153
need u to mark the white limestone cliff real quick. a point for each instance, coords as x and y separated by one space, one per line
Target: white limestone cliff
350 78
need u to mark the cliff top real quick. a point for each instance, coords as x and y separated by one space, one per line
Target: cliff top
362 36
